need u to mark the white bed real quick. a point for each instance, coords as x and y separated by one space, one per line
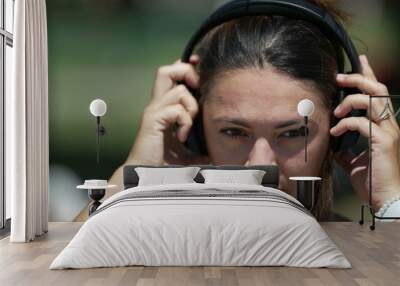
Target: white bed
222 225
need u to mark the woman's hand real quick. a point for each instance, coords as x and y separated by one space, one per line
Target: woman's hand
385 137
171 104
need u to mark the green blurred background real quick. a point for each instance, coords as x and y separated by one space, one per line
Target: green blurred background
110 49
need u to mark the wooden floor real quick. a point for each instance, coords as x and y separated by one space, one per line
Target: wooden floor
374 255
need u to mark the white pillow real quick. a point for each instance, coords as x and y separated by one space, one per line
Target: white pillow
162 176
249 177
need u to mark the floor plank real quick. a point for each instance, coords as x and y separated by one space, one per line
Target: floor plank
374 255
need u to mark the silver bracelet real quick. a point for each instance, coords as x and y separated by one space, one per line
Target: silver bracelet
386 205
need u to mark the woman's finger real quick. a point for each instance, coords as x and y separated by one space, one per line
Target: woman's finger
177 114
180 94
167 76
356 167
352 101
385 140
194 59
360 101
361 82
345 159
366 68
360 124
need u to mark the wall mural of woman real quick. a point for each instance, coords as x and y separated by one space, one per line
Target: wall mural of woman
251 73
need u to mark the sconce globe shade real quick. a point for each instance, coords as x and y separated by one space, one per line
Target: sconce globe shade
98 107
305 107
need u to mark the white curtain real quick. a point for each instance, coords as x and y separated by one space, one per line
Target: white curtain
27 123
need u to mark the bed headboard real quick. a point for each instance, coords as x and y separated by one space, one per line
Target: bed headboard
270 179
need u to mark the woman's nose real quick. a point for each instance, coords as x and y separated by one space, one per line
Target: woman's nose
261 153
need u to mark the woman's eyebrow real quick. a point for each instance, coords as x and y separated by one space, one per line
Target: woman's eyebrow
240 121
288 123
233 120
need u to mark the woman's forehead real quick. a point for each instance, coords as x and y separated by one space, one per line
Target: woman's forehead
260 91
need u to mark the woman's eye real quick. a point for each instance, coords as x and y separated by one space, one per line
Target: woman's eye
234 132
294 133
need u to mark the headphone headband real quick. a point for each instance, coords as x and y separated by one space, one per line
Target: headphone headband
297 9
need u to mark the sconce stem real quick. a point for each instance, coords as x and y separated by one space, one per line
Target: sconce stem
305 137
98 139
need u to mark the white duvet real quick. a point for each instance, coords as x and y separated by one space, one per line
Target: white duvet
190 230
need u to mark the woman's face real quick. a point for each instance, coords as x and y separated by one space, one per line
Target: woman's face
250 118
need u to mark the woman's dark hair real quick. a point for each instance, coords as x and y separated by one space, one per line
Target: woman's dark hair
291 46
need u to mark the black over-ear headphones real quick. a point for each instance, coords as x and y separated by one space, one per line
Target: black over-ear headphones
297 9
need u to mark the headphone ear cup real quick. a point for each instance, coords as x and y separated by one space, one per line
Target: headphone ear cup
349 138
196 142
